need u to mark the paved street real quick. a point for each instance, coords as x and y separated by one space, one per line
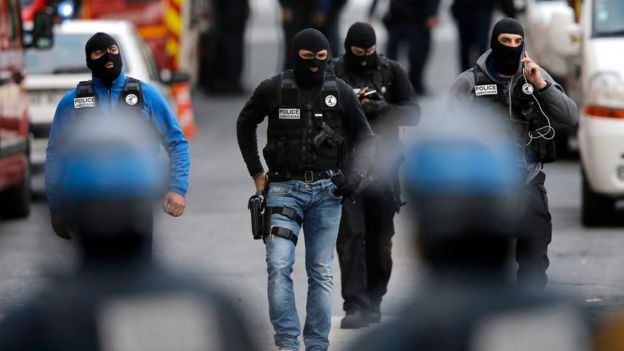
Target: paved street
213 238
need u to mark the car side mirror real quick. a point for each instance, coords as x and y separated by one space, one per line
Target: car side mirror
41 35
176 77
564 34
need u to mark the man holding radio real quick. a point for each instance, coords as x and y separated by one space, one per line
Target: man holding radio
366 229
508 83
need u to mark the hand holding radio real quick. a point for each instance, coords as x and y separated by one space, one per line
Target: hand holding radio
532 72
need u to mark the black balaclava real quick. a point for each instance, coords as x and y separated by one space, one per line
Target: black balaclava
362 35
102 41
312 40
505 59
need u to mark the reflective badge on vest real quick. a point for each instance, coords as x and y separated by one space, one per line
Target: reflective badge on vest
289 113
132 99
489 89
84 102
331 100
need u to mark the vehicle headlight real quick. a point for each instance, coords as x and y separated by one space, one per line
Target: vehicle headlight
605 96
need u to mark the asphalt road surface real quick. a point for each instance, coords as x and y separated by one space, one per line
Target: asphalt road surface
213 238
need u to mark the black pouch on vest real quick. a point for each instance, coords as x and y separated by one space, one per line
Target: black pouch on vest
544 150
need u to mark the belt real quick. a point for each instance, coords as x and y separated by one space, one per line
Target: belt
306 176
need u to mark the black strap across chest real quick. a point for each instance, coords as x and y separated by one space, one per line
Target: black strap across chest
131 94
289 94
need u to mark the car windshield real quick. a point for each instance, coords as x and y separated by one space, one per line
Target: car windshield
65 57
608 18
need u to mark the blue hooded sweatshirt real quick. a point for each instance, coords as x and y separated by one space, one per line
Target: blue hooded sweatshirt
155 109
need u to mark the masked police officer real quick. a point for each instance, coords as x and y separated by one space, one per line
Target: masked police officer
313 117
365 237
119 298
111 92
507 81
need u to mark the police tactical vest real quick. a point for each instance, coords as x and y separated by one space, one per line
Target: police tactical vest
505 100
130 100
297 140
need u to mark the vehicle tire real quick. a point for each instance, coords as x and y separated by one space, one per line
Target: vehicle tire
596 209
16 201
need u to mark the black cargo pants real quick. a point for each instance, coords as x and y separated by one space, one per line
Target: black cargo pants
364 247
533 235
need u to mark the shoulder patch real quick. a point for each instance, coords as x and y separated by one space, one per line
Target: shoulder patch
488 89
84 102
132 99
331 100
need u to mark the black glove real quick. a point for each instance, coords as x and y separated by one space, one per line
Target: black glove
346 184
375 106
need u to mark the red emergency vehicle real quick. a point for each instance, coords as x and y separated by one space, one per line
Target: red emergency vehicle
14 139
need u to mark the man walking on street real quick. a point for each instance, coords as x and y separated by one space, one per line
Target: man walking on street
112 93
313 116
507 81
366 229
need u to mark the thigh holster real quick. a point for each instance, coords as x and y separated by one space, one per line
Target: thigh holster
280 231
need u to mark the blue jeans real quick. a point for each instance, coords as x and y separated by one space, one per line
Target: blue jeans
321 212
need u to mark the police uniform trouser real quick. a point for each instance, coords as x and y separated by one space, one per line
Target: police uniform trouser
473 30
418 39
364 248
534 235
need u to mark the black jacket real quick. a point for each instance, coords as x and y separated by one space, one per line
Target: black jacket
266 96
391 81
562 110
403 108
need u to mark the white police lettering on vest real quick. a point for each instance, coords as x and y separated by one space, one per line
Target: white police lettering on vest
84 102
289 113
489 89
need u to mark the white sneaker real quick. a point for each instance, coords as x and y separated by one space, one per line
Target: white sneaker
284 349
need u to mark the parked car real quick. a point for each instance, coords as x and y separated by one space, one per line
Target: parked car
601 124
553 41
52 73
14 139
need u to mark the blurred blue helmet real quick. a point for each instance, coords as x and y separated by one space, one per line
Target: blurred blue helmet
108 158
111 177
461 166
464 191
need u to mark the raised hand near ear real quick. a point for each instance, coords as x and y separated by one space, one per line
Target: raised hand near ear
533 72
